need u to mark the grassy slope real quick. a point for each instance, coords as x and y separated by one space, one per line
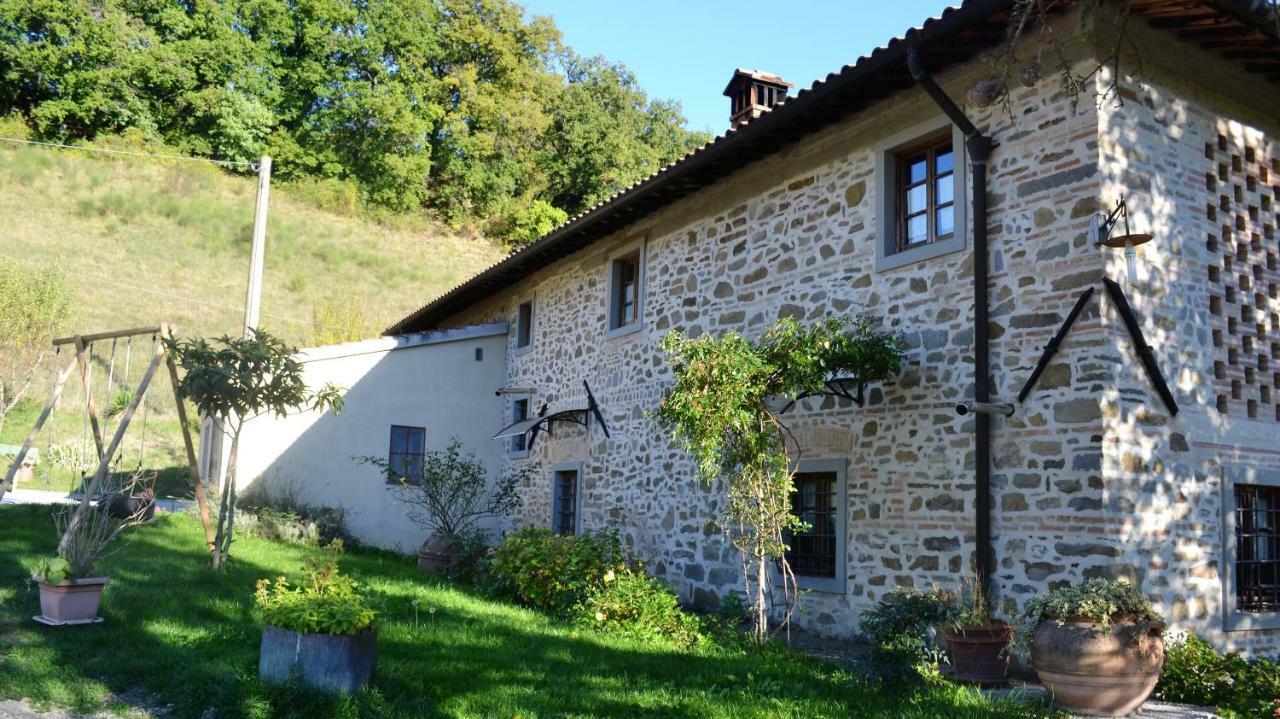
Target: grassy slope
474 657
143 241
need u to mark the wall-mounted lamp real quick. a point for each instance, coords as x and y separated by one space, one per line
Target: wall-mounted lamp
1101 228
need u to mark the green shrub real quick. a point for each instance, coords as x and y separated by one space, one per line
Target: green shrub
1097 600
325 602
551 572
630 603
1194 673
899 632
276 510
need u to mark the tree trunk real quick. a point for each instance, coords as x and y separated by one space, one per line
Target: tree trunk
227 505
762 608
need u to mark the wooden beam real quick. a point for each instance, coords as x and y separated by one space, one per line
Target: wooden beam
193 462
82 358
88 339
105 464
61 382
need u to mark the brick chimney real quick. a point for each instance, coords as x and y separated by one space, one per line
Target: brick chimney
752 93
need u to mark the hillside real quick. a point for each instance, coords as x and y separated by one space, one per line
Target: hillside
142 241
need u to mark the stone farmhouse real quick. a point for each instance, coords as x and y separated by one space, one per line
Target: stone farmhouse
1147 447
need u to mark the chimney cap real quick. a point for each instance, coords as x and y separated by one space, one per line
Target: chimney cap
754 76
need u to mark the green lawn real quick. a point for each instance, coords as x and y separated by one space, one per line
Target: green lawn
178 634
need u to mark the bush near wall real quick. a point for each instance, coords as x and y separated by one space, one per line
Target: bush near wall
630 603
1195 673
552 572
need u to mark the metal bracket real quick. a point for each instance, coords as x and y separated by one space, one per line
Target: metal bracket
1140 344
1052 348
835 387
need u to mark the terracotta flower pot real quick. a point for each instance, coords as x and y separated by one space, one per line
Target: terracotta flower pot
1089 671
72 601
437 554
978 654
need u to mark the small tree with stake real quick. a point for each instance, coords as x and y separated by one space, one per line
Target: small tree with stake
719 410
234 380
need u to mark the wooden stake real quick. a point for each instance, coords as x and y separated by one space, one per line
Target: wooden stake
192 461
44 417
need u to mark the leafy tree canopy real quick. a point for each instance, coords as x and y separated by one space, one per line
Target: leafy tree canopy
467 108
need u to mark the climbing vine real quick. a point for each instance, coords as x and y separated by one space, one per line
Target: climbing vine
720 410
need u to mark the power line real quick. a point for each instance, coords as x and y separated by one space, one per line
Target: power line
106 151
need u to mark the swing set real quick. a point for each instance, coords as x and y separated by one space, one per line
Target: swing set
111 455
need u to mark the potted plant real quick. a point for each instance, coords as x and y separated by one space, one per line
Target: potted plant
1098 648
320 631
448 493
977 643
70 590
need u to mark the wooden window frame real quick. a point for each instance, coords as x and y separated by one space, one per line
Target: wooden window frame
525 332
520 443
632 254
903 158
556 499
392 453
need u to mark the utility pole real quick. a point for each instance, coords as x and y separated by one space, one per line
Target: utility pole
253 296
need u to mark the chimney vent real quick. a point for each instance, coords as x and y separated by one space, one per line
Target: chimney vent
752 93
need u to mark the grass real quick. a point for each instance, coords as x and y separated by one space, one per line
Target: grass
145 241
196 649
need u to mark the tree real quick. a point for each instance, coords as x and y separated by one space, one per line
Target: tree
448 493
719 410
468 108
235 380
605 134
33 303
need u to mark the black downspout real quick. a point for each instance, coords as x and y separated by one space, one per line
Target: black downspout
979 147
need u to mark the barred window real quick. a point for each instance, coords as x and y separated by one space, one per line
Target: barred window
1257 560
812 552
564 502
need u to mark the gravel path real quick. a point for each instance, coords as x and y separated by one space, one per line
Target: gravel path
40 496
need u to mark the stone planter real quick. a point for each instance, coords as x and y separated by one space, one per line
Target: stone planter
72 601
1088 671
437 555
978 654
329 662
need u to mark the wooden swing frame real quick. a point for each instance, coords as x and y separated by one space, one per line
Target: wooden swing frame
82 344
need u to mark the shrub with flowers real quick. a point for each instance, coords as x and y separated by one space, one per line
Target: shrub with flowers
630 603
326 601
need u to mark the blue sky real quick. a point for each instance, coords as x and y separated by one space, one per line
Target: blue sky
687 49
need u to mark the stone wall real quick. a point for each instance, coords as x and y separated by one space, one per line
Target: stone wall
1088 479
1194 150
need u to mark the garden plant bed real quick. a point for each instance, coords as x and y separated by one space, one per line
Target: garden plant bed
473 656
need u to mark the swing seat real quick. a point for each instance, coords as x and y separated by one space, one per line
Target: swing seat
126 506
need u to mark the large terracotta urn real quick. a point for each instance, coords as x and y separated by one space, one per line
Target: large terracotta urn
437 555
978 654
1095 672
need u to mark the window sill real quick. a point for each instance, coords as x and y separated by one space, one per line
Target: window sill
522 350
821 585
624 330
921 253
1237 621
522 454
